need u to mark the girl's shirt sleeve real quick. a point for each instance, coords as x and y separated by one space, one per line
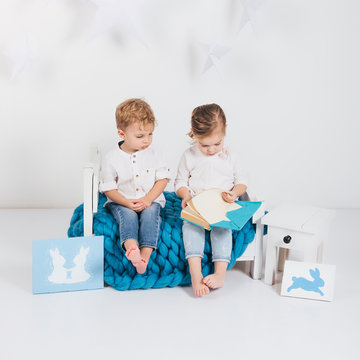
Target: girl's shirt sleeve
239 174
183 173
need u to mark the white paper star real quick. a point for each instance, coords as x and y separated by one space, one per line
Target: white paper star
249 10
23 58
118 13
214 52
51 1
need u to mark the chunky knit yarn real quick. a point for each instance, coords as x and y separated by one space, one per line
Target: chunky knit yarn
167 265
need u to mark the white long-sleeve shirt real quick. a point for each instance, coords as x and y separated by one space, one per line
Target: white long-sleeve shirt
199 172
133 175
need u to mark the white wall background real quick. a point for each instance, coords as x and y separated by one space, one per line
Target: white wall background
289 86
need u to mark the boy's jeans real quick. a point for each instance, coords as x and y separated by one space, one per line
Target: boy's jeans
142 226
194 242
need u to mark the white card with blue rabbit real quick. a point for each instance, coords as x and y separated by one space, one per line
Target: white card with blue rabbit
308 280
68 264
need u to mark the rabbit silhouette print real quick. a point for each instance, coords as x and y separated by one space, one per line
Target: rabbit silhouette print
76 274
308 285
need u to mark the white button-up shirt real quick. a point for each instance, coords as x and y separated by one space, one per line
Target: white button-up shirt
133 175
199 172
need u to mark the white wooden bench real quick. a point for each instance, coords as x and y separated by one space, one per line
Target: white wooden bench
253 254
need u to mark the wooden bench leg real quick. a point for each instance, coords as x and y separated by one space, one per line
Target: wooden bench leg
283 255
256 265
270 264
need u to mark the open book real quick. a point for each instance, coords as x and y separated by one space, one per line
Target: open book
208 209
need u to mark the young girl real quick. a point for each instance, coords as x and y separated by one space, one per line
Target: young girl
133 177
208 164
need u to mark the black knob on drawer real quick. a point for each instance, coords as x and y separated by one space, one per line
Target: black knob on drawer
287 239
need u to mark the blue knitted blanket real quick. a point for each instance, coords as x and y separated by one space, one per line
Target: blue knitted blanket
167 265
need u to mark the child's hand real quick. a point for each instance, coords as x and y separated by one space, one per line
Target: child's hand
145 201
135 204
228 196
185 201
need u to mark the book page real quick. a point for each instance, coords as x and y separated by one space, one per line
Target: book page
191 215
189 210
212 207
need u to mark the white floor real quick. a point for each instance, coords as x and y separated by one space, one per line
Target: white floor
246 318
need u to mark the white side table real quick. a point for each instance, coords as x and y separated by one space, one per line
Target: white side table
296 227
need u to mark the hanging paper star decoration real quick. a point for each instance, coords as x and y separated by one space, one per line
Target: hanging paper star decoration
118 13
214 52
249 9
23 58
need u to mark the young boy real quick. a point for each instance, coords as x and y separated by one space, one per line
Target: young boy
133 177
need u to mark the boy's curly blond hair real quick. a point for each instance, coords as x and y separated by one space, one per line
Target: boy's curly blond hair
132 111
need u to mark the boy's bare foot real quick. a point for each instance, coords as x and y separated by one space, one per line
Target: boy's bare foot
133 254
199 287
141 266
214 281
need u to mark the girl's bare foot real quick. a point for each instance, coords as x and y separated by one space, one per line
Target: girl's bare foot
214 281
199 287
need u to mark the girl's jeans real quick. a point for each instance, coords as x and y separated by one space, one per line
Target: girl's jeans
142 226
194 242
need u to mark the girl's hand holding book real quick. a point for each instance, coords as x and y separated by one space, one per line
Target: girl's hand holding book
185 201
229 196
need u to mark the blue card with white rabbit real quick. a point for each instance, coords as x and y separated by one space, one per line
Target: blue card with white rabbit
68 264
308 280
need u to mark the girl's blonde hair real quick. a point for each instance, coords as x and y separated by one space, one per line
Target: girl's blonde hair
134 110
205 119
